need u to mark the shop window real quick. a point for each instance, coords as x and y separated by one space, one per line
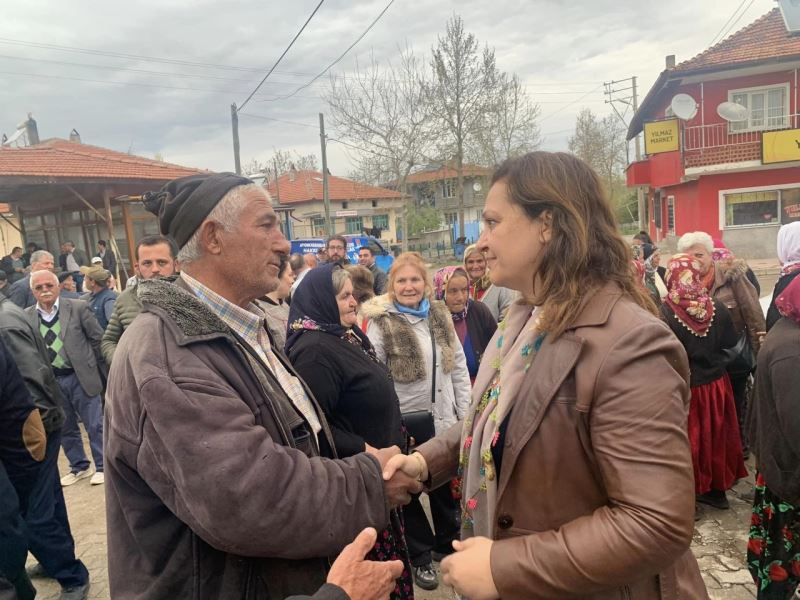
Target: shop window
790 205
751 208
768 108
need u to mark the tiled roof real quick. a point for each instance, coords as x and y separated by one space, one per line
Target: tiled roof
4 208
445 172
307 186
765 39
57 158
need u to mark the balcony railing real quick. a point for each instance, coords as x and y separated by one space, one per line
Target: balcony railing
716 144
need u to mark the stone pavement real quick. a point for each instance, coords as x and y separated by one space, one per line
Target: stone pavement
719 544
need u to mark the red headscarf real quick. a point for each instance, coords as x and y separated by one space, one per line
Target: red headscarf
721 251
788 303
687 297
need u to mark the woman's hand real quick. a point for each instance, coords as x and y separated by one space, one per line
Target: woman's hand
469 570
370 449
413 465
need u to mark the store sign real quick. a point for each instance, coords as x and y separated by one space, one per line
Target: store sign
346 213
780 146
662 136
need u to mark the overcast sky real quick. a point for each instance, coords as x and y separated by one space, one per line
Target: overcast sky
562 51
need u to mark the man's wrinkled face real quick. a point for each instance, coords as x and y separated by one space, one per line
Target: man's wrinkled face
155 261
44 286
252 251
68 284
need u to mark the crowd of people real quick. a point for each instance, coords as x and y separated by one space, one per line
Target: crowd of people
265 423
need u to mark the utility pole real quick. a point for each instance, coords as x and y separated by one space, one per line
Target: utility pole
325 199
628 96
235 126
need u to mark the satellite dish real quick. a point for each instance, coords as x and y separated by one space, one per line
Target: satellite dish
732 112
683 106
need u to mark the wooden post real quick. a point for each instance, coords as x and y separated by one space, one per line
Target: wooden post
129 234
110 225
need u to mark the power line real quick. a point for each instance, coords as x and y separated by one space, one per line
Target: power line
279 120
717 37
280 58
739 18
566 106
341 56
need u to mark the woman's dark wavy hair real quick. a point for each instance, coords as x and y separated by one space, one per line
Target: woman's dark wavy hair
585 251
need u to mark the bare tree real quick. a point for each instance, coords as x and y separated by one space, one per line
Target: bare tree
511 128
280 162
463 90
380 112
601 143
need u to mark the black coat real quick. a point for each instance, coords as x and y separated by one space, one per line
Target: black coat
708 359
774 418
481 326
772 313
355 392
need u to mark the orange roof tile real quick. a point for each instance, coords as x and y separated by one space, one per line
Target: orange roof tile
446 172
307 186
57 158
765 39
5 208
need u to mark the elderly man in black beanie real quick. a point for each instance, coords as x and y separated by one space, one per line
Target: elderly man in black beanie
214 486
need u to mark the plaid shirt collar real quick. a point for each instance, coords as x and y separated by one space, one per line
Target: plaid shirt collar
247 323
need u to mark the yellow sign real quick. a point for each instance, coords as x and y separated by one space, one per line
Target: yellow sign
662 136
780 146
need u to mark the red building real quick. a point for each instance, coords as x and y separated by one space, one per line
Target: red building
739 180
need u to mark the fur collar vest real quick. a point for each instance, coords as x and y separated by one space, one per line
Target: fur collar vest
403 353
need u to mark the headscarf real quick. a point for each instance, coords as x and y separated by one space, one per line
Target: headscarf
788 302
441 279
687 297
789 246
314 308
477 287
720 251
648 253
638 269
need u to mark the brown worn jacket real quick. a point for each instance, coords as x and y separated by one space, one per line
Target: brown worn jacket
734 290
595 495
213 489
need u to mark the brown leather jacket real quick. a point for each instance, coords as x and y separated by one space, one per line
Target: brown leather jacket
734 290
596 493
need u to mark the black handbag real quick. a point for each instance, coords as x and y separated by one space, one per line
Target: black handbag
742 357
419 423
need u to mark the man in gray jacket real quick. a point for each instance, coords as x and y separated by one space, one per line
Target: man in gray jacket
72 337
215 485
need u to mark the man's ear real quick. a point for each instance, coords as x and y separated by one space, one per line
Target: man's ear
210 238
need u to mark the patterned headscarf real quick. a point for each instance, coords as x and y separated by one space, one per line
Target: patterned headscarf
788 303
687 297
441 279
720 251
478 286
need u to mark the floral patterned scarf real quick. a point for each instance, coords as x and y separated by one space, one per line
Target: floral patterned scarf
517 343
687 296
477 287
441 279
788 302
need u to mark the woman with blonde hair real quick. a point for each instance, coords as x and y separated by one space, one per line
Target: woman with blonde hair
575 484
413 335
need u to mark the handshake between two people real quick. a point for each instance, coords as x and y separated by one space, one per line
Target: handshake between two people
403 475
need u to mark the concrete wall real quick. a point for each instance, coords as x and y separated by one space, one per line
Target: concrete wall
752 242
9 237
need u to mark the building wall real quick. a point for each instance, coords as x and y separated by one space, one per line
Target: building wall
699 207
9 236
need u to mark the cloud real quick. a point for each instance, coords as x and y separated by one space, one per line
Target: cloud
214 53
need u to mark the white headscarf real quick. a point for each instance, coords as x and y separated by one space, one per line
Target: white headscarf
789 244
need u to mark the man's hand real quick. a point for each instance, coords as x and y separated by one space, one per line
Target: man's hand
413 465
400 486
469 570
364 579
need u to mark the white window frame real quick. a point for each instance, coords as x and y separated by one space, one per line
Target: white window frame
762 188
448 187
765 90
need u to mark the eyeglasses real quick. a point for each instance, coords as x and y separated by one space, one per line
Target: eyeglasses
43 286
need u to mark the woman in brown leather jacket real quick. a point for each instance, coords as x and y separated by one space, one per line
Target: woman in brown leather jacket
575 484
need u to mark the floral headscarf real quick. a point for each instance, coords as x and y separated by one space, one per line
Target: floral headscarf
687 297
720 251
441 279
788 302
477 287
